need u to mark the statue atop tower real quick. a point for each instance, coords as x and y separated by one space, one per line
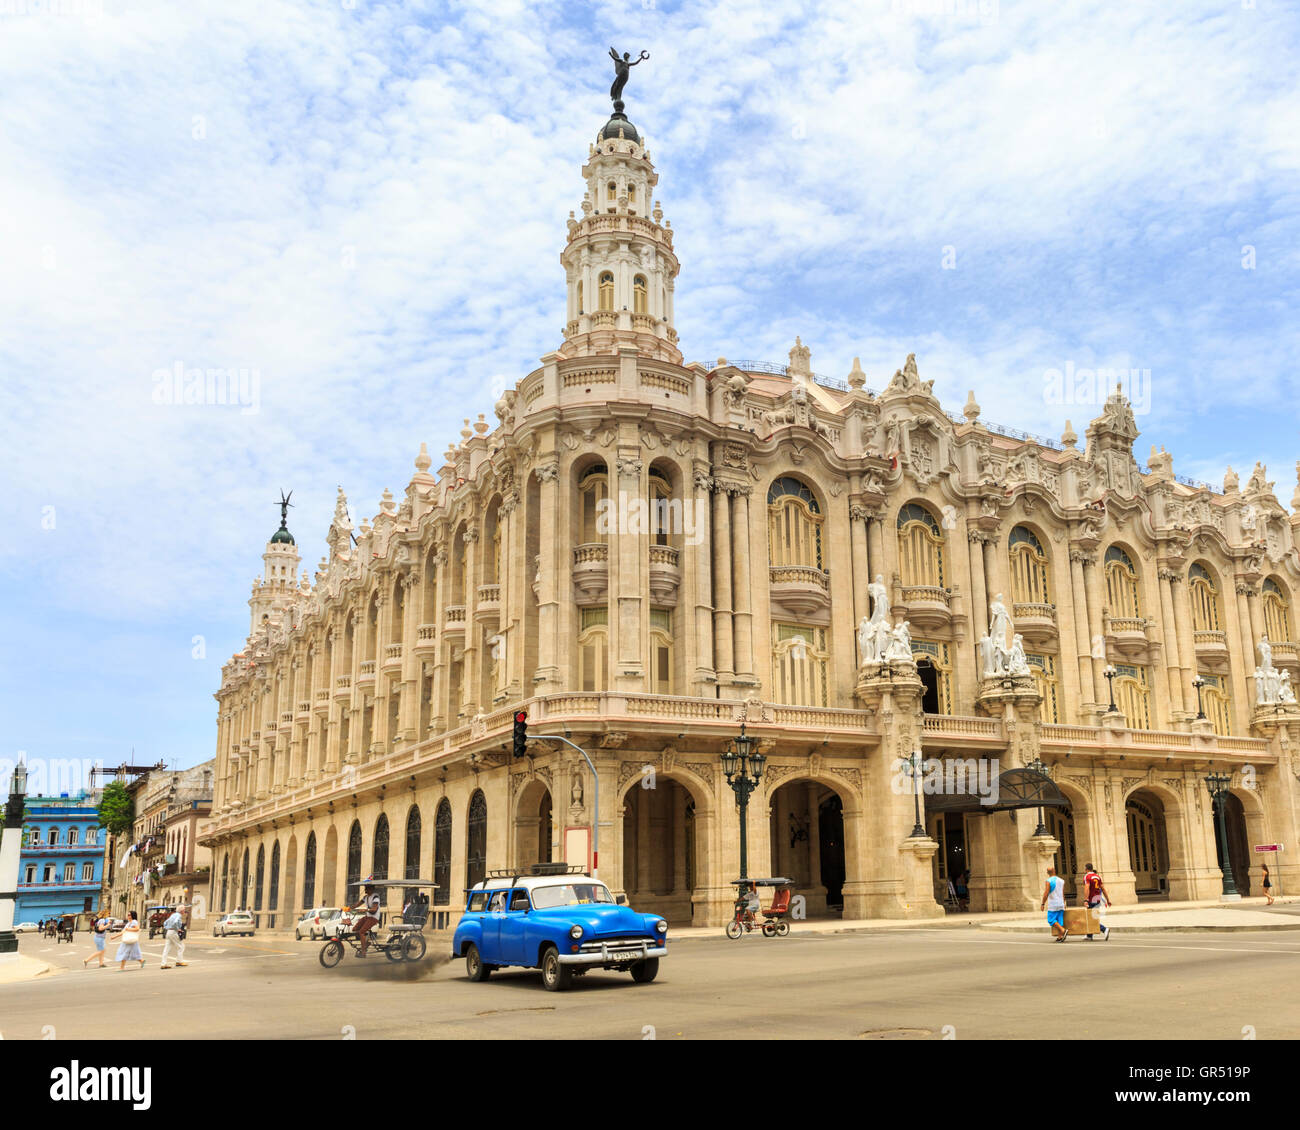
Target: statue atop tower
621 68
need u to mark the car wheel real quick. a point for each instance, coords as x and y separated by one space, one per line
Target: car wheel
734 929
643 972
297 937
556 976
413 947
331 953
474 967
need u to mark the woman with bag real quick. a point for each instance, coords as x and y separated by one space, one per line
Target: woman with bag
98 934
128 940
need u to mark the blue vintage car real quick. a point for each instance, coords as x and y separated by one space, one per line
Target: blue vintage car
557 920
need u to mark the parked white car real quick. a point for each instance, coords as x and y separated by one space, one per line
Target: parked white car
25 928
310 922
339 921
236 922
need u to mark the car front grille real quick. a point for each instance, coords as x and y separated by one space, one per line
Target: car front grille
614 945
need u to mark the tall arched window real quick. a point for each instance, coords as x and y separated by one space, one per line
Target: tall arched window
72 836
593 489
639 295
354 863
476 840
243 884
225 882
920 548
260 877
665 514
794 524
661 650
1277 612
398 618
379 856
309 873
492 559
580 296
593 648
800 665
606 290
442 853
1028 568
1218 707
1132 695
413 830
54 836
273 899
1121 585
1205 599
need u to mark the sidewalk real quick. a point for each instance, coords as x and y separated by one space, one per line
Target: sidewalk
22 968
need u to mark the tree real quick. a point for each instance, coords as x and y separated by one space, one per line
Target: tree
116 808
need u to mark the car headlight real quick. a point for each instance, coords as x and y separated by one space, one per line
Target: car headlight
575 932
661 926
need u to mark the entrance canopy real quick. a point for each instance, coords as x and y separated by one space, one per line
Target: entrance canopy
1016 788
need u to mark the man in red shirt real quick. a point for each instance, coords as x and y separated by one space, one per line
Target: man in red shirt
1095 897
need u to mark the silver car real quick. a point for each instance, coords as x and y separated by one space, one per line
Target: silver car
236 922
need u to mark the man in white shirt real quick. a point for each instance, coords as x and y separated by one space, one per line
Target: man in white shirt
369 919
174 949
1054 901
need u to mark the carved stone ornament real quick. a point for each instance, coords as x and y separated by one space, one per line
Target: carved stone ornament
547 472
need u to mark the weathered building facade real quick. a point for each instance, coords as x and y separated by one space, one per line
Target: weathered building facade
645 554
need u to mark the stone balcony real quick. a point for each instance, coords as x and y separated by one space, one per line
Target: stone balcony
1211 647
800 590
926 606
343 687
1127 634
426 639
591 573
1036 622
488 603
366 676
393 657
1285 652
455 621
303 711
322 704
665 576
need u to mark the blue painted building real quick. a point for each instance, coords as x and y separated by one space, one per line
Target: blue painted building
61 863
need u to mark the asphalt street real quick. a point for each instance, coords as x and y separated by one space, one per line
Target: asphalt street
903 984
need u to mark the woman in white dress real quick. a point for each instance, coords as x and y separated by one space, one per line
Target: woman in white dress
128 943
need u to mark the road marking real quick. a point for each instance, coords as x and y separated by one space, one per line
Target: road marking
1127 944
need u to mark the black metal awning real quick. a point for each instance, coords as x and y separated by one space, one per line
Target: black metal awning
1016 788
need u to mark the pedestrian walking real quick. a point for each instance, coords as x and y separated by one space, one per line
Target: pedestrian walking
128 940
1054 902
1095 897
98 935
173 931
1268 887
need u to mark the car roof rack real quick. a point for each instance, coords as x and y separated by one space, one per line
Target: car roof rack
514 874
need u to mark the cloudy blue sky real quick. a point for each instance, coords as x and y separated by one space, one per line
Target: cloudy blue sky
365 202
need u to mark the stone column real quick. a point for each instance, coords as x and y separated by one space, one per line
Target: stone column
742 619
470 671
1172 630
858 519
722 628
1092 582
1181 601
627 645
700 557
979 595
547 678
1243 590
1082 638
876 548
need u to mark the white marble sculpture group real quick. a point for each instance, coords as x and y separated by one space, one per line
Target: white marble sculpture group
1271 685
878 640
997 657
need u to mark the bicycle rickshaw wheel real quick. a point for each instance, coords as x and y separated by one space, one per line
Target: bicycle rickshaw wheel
734 929
393 948
769 929
782 928
414 947
331 953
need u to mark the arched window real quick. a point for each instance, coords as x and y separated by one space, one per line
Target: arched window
492 560
920 548
631 195
1132 695
54 836
442 853
606 290
1028 568
476 840
243 884
379 856
800 665
794 524
260 876
661 651
273 901
413 830
225 882
593 648
92 837
665 514
1217 705
580 296
372 627
309 873
593 490
1277 612
1205 599
1121 585
639 295
611 195
398 618
72 836
354 863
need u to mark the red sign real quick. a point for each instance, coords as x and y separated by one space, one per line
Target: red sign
1268 847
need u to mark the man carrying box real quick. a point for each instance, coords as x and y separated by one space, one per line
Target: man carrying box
1095 897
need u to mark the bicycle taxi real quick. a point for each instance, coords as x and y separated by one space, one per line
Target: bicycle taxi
749 906
401 940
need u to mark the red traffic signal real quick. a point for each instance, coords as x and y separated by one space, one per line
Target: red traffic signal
521 732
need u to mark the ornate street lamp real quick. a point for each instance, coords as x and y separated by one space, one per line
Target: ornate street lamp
1198 683
914 769
743 765
11 836
1038 765
1218 784
1110 674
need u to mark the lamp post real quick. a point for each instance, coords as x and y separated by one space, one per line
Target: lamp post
914 771
743 765
11 838
1198 683
1110 674
1038 765
1218 784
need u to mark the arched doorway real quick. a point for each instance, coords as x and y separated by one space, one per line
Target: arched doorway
379 857
476 840
291 879
309 873
442 853
352 887
1238 842
534 828
1148 844
329 893
808 842
662 857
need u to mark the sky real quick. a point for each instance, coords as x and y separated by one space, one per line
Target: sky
355 211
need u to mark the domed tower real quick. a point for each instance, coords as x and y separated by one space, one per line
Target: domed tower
619 264
276 587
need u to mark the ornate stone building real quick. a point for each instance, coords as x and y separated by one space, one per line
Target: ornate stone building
645 554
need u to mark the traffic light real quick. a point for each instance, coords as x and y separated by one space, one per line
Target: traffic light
521 733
